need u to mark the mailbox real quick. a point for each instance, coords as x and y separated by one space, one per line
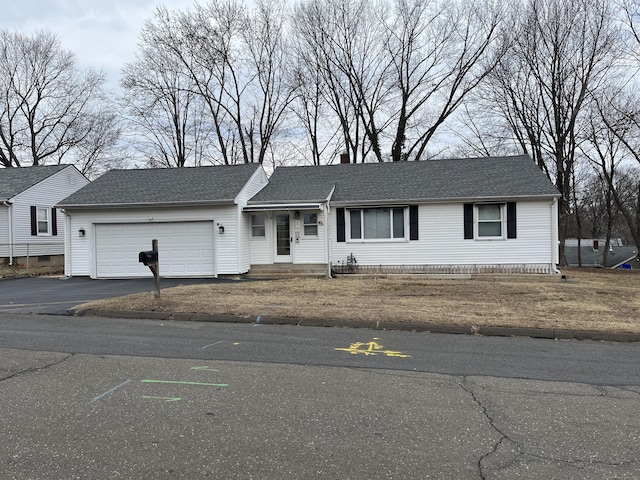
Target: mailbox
148 257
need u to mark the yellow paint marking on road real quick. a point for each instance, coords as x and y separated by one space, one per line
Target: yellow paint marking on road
370 349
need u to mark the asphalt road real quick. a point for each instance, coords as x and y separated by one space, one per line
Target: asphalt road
95 398
146 400
598 363
55 295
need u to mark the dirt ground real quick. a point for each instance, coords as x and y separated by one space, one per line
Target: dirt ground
12 271
603 300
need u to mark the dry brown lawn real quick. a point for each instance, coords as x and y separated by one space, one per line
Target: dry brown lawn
12 271
602 300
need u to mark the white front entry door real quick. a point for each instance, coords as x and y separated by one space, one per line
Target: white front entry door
283 238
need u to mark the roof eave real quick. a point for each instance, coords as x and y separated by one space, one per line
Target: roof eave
260 207
95 206
340 203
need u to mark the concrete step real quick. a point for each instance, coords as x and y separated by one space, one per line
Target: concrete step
287 270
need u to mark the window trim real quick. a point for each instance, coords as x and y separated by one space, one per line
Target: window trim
254 226
392 239
315 224
47 211
502 221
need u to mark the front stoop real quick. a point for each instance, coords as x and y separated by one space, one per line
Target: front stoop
287 270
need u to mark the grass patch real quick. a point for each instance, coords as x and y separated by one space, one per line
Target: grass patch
603 300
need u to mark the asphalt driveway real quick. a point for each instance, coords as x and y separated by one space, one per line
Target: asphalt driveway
55 296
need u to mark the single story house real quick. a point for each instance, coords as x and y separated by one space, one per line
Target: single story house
31 228
468 215
438 216
194 213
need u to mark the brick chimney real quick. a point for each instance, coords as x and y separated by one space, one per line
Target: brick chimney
344 158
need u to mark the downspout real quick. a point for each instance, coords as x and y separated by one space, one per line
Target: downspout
67 243
241 235
554 237
327 234
327 230
8 204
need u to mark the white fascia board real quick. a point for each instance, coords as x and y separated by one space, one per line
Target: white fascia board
282 206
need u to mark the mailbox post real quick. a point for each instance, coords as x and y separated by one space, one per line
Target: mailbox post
150 259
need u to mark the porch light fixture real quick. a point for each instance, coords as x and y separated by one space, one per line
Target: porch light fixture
220 229
81 232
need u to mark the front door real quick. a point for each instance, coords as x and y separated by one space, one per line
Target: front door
283 238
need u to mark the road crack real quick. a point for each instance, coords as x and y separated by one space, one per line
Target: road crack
35 369
503 442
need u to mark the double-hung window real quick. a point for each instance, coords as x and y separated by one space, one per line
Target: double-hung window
377 223
310 224
490 220
43 221
257 225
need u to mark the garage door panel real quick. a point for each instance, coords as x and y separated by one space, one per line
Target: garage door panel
185 249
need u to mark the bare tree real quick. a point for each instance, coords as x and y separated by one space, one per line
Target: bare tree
168 119
440 53
47 105
619 119
234 61
394 73
560 52
339 42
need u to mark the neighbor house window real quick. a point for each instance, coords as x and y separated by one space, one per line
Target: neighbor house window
490 219
310 224
257 225
376 223
43 221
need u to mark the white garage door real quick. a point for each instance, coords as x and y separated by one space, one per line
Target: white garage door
185 249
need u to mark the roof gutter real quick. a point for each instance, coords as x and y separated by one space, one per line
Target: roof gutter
406 201
284 206
95 206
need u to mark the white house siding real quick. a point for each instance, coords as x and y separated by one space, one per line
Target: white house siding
309 249
82 260
261 248
441 240
245 247
46 193
4 231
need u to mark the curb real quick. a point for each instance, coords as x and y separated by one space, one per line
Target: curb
486 331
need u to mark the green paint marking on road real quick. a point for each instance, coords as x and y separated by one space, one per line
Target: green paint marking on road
166 399
204 369
187 383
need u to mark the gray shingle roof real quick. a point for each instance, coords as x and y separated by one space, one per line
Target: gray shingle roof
16 180
217 184
594 258
465 178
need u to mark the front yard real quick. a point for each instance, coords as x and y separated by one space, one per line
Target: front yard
603 300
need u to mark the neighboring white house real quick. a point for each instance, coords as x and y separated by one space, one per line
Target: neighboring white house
31 228
194 213
438 216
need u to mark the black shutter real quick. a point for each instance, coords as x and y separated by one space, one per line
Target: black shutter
511 220
413 222
340 223
34 221
468 221
54 222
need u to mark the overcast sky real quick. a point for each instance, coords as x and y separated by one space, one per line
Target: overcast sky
102 33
